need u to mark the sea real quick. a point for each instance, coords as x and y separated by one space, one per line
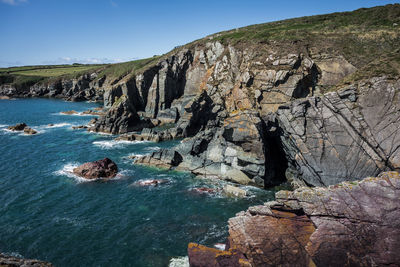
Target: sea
48 213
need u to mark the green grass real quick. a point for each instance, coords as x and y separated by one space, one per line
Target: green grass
367 38
381 17
58 71
120 70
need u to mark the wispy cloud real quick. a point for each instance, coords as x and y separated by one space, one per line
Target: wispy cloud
113 3
13 2
93 60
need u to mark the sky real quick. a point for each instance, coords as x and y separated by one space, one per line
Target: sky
37 32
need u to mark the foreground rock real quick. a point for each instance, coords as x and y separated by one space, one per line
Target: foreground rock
349 224
9 261
4 97
104 168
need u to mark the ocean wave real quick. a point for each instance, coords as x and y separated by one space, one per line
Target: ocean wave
179 262
56 125
111 144
81 114
3 125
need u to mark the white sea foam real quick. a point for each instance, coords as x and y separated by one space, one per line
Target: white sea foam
111 144
75 114
179 262
3 125
67 170
220 246
56 125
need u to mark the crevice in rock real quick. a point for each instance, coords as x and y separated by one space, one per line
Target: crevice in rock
276 162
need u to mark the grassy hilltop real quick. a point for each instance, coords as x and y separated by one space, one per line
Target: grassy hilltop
368 38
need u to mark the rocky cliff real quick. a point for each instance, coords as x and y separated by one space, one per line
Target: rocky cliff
348 224
312 100
85 87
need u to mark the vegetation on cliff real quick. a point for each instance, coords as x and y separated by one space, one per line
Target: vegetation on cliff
367 38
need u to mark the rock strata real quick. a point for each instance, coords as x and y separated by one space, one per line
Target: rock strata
104 168
348 224
9 261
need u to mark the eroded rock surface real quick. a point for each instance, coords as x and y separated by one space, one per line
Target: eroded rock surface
348 224
104 168
344 135
9 261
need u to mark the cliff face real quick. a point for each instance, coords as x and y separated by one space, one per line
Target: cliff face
85 87
349 224
311 100
259 116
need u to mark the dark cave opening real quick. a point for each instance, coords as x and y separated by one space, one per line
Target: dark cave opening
276 162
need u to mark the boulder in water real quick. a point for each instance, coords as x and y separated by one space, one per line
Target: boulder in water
17 127
104 168
29 131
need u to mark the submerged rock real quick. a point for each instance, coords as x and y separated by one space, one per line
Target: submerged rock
234 191
151 182
104 168
70 112
348 224
79 127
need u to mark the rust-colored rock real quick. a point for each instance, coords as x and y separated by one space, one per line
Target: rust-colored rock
104 168
348 224
202 256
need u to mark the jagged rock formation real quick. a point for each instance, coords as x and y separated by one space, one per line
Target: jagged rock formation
344 135
9 261
348 224
310 105
86 87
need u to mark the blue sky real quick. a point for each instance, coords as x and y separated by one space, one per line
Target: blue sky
91 31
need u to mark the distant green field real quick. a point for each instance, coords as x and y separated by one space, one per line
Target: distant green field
49 71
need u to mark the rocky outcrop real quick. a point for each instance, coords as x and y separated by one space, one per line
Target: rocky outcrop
104 168
10 261
22 127
161 159
17 127
348 224
343 135
85 87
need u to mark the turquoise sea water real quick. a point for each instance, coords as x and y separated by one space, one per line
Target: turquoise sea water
49 214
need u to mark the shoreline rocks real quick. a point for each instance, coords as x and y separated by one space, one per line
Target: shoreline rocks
11 261
104 168
348 224
22 127
69 112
